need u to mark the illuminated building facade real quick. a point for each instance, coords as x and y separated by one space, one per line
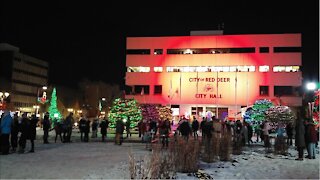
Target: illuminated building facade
217 73
23 77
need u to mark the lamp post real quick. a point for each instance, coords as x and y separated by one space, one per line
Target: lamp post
3 97
311 86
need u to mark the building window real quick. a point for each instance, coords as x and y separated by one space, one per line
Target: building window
158 89
173 69
141 89
264 49
286 49
264 90
286 68
211 50
157 51
263 68
283 91
157 69
138 69
138 51
246 68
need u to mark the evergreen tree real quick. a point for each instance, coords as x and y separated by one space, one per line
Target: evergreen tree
165 112
125 109
259 108
279 114
53 109
150 111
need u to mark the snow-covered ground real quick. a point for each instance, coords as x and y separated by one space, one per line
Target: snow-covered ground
97 160
254 163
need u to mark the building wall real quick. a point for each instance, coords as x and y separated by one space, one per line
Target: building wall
27 76
182 88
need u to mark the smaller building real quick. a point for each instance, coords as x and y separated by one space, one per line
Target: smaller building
23 76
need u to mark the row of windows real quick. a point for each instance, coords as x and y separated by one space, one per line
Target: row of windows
263 90
143 89
214 50
215 69
280 91
21 104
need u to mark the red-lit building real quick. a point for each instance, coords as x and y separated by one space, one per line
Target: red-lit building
196 74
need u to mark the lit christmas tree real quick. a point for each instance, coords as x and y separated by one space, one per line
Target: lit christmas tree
259 108
316 108
127 109
150 111
279 114
165 112
53 109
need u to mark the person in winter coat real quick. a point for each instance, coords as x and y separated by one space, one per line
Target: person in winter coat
153 128
24 127
140 127
6 122
58 128
244 133
82 127
164 130
311 139
46 125
94 128
265 130
103 128
300 137
14 132
250 133
33 131
202 124
185 129
289 131
128 128
119 132
87 131
195 127
68 128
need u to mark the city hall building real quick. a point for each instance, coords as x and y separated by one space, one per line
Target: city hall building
218 73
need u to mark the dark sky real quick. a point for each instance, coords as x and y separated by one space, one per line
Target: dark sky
88 39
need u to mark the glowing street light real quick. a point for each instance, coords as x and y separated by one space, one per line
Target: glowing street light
311 86
4 95
44 87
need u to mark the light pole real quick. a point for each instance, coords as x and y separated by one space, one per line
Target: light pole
3 97
101 105
311 86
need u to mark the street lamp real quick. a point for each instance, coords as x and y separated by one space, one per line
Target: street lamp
311 86
3 96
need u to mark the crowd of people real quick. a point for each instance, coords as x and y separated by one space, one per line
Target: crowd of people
16 131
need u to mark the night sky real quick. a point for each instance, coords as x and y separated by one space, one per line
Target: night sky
88 39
